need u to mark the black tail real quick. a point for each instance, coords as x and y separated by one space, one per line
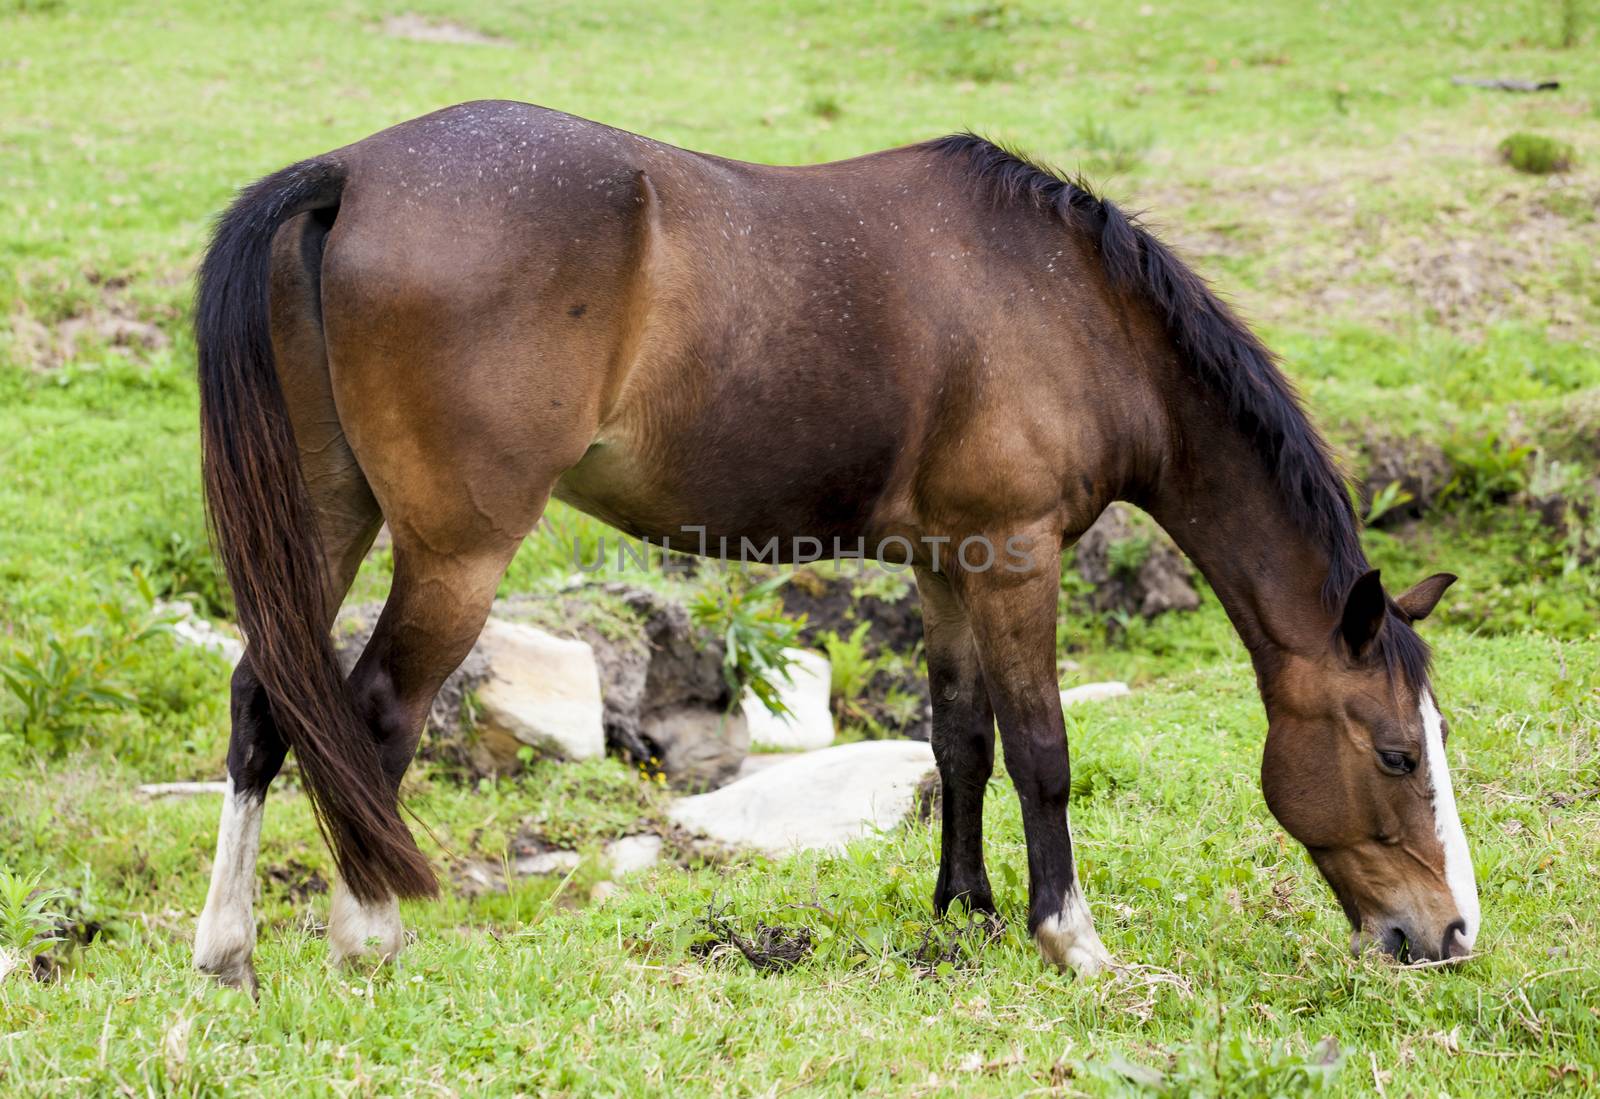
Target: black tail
265 531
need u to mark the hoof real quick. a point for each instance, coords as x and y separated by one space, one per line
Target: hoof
363 934
235 974
1073 944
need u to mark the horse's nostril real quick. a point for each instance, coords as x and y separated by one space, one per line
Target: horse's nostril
1455 940
1394 942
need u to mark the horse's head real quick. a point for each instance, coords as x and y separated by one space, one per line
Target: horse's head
1355 769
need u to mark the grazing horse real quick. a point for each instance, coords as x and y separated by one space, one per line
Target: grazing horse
928 348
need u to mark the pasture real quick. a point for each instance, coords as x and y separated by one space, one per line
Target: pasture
1438 308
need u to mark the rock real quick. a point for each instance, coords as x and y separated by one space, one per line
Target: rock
661 679
631 854
542 691
602 891
809 722
546 862
760 761
1133 566
190 629
662 695
821 799
11 962
1093 692
697 748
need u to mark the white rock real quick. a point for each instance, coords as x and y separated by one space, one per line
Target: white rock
542 690
760 761
631 854
809 722
824 798
547 862
11 962
1093 692
190 629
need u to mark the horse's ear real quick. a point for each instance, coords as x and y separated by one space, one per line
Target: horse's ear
1365 607
1419 602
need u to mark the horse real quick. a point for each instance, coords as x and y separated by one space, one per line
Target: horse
945 344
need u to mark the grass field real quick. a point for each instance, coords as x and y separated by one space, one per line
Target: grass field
1319 165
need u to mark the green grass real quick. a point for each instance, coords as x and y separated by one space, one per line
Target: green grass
1321 168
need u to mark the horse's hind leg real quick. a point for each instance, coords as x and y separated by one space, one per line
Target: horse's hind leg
347 519
436 608
963 744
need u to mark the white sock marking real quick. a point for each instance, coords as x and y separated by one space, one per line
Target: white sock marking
226 934
358 931
1447 822
1068 938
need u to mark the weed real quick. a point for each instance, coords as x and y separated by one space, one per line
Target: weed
60 676
1110 153
1386 499
1488 470
849 663
28 914
1536 154
755 634
825 107
180 565
1126 557
1571 26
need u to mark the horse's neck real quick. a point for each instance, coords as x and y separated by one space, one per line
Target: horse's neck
1220 504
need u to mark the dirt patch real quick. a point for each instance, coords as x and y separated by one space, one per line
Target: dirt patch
832 604
297 881
107 320
1488 245
419 28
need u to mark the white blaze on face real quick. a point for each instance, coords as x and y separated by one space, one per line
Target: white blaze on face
1447 822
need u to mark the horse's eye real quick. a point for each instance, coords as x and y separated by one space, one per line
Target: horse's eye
1397 763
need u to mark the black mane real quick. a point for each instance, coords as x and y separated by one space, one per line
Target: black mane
1225 356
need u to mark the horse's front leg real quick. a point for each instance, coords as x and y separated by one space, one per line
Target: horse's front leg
963 744
1013 617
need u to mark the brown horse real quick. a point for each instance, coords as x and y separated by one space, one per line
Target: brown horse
931 348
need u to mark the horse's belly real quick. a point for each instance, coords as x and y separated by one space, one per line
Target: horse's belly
702 499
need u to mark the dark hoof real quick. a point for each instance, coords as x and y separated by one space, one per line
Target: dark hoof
241 976
975 898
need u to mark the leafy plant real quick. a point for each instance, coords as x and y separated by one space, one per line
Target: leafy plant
1536 154
62 678
27 916
1126 557
749 618
850 665
1487 470
181 566
1385 500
